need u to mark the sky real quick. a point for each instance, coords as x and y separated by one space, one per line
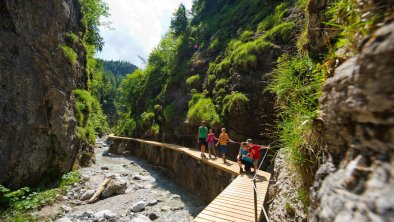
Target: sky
138 26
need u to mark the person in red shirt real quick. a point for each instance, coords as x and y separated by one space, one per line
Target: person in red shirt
254 151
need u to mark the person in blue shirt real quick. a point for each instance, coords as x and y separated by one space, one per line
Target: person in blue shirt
244 158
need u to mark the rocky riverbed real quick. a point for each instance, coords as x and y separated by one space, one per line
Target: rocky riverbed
137 191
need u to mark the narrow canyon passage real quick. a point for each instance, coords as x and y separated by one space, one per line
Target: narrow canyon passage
164 200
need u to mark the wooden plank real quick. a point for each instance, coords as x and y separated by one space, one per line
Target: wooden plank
236 207
225 217
232 209
212 218
231 214
199 219
224 204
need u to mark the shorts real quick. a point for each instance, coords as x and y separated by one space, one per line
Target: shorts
211 146
223 148
256 162
203 141
247 164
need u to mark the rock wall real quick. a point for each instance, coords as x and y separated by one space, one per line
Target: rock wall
356 180
201 179
283 200
37 122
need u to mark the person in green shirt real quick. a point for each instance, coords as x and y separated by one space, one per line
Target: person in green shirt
202 138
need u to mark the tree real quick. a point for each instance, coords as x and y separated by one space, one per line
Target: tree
92 11
179 21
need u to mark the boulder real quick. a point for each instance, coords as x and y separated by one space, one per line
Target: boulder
115 186
137 207
140 218
104 214
63 219
87 195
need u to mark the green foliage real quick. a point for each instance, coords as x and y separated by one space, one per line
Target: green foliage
274 18
147 118
169 112
155 129
125 126
15 204
353 21
193 80
297 83
70 178
119 69
289 209
179 21
90 118
69 53
234 102
72 37
202 109
92 11
131 89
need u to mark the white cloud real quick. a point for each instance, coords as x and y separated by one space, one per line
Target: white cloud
139 26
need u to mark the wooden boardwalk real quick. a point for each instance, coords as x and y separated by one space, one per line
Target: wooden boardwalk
236 201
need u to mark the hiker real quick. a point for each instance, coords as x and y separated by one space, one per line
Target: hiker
254 150
202 138
211 143
244 158
223 139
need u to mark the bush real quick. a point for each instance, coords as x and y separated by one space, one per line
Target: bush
169 112
70 54
202 109
193 80
234 102
147 118
155 129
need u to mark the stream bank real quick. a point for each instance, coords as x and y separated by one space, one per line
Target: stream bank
145 192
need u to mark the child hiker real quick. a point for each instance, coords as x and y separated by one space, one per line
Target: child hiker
202 138
244 158
223 139
211 143
254 151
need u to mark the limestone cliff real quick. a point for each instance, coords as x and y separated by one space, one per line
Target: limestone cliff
356 180
39 69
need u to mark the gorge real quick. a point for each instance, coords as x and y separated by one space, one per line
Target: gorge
312 78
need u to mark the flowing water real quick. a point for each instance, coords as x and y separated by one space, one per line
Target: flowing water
145 182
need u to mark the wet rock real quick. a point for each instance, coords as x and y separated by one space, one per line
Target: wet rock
137 177
110 216
151 202
63 219
66 208
137 207
179 207
140 218
132 163
125 166
115 186
165 208
104 214
104 168
175 196
88 214
87 195
153 216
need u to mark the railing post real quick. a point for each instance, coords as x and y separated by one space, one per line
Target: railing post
255 200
